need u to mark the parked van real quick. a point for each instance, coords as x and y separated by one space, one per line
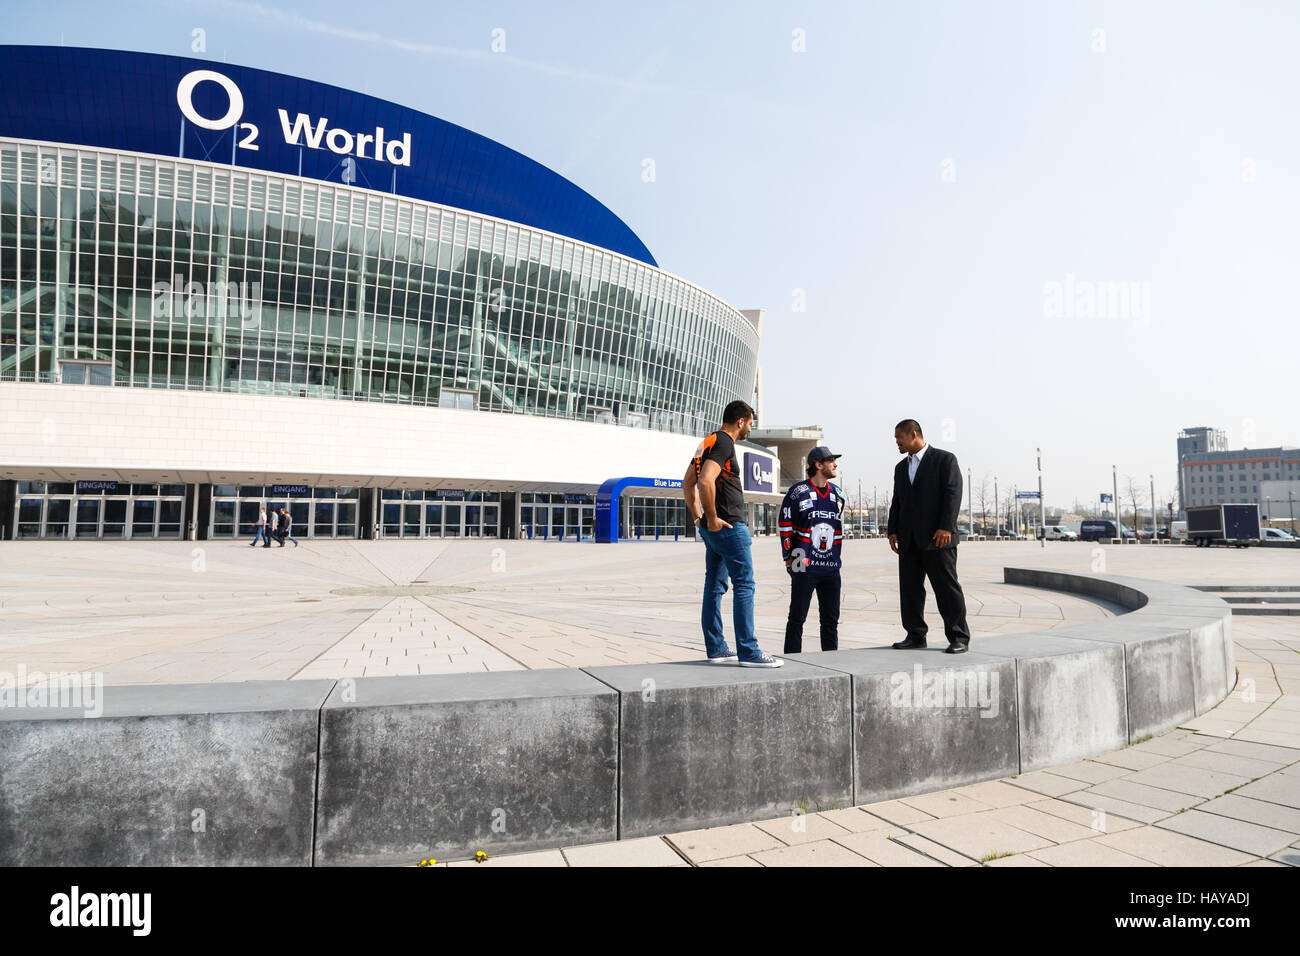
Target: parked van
1178 531
1056 532
1102 530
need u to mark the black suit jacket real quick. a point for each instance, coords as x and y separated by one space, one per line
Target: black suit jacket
931 502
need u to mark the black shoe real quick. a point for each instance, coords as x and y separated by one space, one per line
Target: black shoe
909 643
955 649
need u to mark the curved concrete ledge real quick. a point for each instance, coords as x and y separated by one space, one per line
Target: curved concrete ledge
397 768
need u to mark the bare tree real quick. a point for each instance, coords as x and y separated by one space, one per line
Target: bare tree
985 498
1135 492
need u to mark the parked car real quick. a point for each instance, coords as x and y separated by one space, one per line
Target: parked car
1056 532
1275 534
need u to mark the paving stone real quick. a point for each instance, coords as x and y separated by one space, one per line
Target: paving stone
719 842
895 811
1113 805
645 851
1089 771
1107 821
819 853
1049 826
995 793
1290 856
1087 853
1170 801
1047 783
977 835
855 820
1262 812
1166 848
733 861
805 828
1238 834
945 803
1276 788
943 854
884 851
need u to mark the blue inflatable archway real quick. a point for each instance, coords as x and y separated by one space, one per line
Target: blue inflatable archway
607 502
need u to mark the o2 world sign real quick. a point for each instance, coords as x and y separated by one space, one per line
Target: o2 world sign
302 131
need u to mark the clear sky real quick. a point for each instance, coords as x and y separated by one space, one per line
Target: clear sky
937 203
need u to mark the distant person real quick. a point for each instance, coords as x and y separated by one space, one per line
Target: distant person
275 521
811 538
260 534
286 525
716 502
923 533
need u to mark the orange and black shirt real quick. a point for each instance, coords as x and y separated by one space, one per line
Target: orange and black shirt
729 497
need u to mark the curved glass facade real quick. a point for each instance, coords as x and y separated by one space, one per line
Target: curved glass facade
164 273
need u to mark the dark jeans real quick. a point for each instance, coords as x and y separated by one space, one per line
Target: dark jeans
940 566
802 586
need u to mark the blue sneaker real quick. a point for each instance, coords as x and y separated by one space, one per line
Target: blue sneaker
764 661
728 656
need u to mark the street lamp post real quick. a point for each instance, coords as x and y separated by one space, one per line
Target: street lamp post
1119 522
970 501
996 527
1042 521
1153 508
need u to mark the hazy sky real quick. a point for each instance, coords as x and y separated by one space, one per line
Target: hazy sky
1073 225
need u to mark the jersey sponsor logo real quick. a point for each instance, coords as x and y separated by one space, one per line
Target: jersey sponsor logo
805 505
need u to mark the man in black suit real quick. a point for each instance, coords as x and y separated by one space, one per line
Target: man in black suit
923 533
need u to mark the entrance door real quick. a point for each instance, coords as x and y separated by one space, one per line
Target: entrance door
114 518
88 517
57 511
473 517
410 520
144 519
29 517
571 525
433 521
451 521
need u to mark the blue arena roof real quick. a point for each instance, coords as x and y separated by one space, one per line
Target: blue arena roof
200 109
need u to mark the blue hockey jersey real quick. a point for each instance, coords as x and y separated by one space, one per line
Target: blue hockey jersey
810 526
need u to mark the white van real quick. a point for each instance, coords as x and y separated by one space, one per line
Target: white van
1178 531
1059 532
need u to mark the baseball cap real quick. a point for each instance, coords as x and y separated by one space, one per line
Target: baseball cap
821 453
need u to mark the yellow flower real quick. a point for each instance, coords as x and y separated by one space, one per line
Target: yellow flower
480 856
427 863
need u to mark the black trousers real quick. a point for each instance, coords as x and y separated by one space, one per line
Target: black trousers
802 586
940 566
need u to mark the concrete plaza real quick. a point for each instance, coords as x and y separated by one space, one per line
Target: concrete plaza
179 612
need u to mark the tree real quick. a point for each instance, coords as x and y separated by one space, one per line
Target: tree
1135 492
984 497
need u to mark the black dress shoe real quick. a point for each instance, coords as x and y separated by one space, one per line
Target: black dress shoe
909 643
955 649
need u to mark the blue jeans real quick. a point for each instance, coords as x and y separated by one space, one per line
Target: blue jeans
726 552
260 536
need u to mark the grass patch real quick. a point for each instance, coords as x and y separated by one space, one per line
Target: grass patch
996 855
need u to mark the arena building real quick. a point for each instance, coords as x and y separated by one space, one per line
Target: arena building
222 288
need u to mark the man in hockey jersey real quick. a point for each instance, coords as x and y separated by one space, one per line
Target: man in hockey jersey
811 535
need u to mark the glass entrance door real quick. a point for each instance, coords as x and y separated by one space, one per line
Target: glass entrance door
114 518
57 511
88 517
